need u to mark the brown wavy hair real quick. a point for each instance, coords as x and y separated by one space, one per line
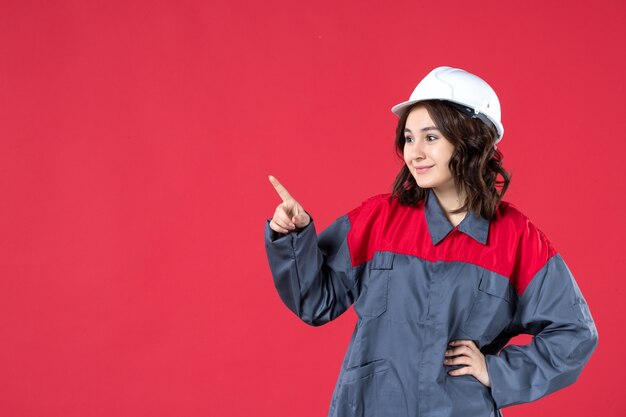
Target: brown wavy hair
476 164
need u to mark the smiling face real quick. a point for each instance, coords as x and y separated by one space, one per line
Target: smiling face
427 152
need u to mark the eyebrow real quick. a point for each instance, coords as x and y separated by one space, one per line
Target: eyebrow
424 129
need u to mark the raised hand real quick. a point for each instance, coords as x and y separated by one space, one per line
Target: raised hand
289 215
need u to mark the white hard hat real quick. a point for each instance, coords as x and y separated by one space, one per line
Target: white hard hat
459 87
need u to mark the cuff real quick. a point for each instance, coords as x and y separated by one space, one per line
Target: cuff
272 236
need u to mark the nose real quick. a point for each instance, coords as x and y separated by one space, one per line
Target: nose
415 151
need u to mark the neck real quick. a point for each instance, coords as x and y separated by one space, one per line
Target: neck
451 200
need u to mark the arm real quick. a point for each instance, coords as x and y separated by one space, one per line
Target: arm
313 274
553 309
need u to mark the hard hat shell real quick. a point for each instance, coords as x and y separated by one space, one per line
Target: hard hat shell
460 87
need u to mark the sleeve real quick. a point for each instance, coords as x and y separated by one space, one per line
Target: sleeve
553 309
313 274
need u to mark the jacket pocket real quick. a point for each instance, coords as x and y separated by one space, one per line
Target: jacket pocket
491 310
371 389
372 301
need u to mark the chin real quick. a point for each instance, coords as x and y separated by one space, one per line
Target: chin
424 185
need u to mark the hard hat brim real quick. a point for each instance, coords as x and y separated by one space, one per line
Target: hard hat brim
399 110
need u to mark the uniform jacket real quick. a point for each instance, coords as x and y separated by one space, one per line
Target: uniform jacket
417 283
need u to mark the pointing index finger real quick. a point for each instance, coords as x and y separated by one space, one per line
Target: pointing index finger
282 191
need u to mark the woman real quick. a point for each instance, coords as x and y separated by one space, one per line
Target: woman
442 273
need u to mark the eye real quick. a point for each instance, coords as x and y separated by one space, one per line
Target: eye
408 139
430 138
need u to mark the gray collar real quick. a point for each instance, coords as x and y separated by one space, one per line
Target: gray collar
439 226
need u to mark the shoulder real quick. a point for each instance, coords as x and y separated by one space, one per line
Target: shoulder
370 206
531 246
381 218
376 200
367 223
510 218
381 206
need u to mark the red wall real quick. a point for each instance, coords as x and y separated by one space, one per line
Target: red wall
135 142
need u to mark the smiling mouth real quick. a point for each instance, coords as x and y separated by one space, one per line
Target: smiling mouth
421 170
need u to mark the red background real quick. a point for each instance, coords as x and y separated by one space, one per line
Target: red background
135 143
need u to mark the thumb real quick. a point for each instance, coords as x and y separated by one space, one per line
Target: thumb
301 220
